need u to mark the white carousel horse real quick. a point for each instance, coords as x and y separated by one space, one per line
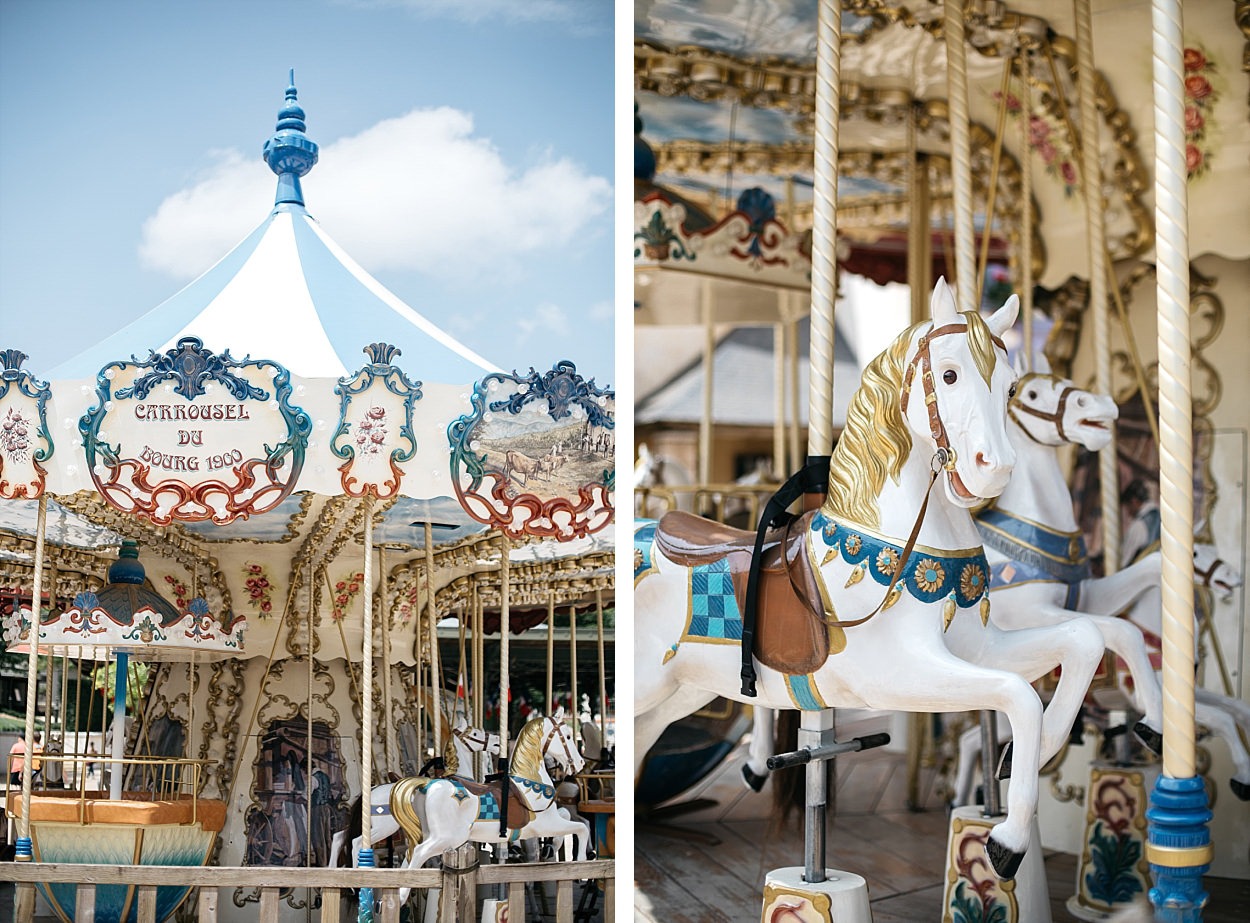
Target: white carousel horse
439 814
763 729
466 741
1220 714
653 470
1039 571
884 467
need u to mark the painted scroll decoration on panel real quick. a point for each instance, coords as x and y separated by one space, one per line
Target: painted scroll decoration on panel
193 436
535 456
24 438
374 433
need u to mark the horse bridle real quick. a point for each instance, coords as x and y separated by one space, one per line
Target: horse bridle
1207 574
555 732
946 456
1055 417
466 737
943 460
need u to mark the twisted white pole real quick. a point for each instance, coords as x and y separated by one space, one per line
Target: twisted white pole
603 675
1176 499
551 651
1026 208
1096 240
824 228
436 665
32 671
575 717
366 680
388 747
961 156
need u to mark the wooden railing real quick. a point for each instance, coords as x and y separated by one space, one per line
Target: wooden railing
459 879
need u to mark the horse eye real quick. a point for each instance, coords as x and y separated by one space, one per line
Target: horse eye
1011 392
949 376
1032 395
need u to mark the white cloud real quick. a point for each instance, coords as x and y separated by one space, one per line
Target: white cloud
547 319
419 192
601 310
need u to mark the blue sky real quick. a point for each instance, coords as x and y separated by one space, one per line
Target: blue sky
466 160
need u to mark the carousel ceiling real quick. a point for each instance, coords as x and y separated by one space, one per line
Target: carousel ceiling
726 90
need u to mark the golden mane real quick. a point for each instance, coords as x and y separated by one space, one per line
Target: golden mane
980 344
875 442
527 757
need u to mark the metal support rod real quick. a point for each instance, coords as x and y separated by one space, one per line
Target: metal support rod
825 752
815 732
989 765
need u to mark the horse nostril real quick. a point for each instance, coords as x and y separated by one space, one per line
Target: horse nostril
982 461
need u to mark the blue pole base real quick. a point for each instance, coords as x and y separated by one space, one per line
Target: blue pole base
364 913
1179 848
24 849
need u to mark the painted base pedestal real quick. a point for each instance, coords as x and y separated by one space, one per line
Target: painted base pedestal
1113 870
841 898
974 892
494 911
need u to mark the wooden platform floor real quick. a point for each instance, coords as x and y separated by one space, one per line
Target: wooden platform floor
693 865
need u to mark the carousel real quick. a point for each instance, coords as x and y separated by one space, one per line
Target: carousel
283 607
912 181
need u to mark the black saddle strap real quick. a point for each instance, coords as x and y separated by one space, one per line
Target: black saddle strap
813 477
503 796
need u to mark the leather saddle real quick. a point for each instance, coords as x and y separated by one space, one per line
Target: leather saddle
790 636
518 814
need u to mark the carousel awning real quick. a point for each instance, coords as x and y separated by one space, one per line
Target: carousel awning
312 294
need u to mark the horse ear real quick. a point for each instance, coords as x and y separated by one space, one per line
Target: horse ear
1017 365
1042 363
942 304
1001 320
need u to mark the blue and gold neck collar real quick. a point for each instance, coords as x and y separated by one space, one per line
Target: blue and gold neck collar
959 578
1061 555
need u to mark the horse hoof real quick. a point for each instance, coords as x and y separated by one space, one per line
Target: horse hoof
1150 737
1006 861
755 781
1004 764
1240 789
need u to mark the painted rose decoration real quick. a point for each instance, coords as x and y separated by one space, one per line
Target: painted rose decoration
1200 100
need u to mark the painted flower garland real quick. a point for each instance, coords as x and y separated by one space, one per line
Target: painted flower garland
259 589
1200 99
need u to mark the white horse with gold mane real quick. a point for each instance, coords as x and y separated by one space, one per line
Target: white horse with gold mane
932 406
439 814
1040 574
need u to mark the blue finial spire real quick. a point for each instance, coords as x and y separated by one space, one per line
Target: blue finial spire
289 153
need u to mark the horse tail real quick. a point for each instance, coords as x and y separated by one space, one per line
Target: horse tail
404 810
